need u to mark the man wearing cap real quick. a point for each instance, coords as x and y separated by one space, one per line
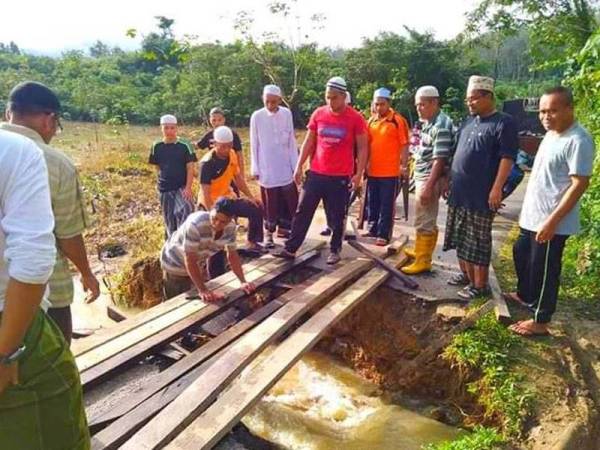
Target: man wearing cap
333 130
274 155
216 118
196 252
219 168
174 159
41 400
388 159
486 148
561 174
33 111
431 160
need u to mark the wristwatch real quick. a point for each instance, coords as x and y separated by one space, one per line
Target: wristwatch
7 360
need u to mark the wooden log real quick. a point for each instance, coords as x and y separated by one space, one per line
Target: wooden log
128 417
197 397
407 281
244 392
102 361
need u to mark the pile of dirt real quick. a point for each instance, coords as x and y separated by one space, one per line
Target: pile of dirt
141 284
383 334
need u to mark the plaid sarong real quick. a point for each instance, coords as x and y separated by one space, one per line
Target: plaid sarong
175 209
45 410
470 233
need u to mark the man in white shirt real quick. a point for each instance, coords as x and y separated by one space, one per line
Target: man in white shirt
41 401
274 155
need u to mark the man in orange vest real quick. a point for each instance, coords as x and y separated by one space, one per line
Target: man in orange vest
218 168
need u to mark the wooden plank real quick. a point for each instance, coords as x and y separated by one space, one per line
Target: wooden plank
408 282
501 309
244 392
185 408
397 245
132 346
128 417
102 336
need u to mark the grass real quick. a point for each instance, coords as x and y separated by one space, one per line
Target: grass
482 438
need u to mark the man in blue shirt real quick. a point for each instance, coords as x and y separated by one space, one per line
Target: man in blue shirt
560 175
486 148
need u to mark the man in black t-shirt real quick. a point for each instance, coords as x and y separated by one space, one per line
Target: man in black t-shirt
175 160
216 118
486 147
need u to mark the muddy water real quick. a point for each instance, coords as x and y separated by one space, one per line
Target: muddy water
322 405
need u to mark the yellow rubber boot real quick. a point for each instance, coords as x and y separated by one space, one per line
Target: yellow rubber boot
410 252
424 246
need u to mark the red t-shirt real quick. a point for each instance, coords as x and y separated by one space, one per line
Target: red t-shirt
336 136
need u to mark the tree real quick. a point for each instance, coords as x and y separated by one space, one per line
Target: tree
557 27
292 42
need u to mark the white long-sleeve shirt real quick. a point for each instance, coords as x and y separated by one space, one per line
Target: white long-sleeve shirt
27 248
273 148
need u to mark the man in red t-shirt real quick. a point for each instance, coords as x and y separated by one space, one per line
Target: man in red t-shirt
333 130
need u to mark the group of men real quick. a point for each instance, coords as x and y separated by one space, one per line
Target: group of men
42 216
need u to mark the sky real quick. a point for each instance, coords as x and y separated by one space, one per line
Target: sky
52 27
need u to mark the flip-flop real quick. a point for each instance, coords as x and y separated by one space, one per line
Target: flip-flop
521 330
510 297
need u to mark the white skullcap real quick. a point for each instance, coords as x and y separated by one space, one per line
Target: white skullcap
223 135
427 91
272 89
168 119
479 83
348 98
337 83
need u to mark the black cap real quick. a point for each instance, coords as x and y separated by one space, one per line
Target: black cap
31 96
225 206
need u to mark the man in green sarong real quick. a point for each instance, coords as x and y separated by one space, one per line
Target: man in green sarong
41 403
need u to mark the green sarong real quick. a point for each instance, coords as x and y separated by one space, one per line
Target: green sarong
45 410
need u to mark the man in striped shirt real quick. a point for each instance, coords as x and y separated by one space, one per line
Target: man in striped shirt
33 111
431 160
196 252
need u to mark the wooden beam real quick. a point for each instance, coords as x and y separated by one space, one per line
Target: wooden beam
102 361
100 337
244 392
407 281
128 417
197 397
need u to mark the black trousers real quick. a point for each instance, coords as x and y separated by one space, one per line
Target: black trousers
538 269
334 193
63 317
381 195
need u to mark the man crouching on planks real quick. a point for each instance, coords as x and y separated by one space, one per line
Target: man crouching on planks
196 252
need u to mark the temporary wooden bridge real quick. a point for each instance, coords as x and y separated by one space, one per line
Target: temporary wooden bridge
202 396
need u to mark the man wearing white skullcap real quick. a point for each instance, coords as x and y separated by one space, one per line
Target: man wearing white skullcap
333 130
431 157
219 169
216 118
388 157
274 154
486 148
175 160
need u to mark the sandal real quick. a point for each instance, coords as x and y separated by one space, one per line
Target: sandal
523 329
381 242
283 253
471 292
459 279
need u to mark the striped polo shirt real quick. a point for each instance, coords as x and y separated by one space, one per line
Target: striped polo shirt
69 208
436 142
195 235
